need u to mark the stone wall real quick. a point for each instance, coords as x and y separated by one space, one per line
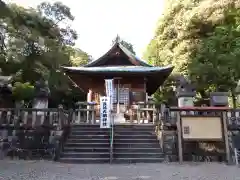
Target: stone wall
169 140
169 145
233 122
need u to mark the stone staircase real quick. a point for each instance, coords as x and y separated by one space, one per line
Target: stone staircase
87 144
136 143
132 144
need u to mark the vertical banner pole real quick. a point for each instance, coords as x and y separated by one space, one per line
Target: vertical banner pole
109 94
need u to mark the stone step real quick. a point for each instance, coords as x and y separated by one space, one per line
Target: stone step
88 132
116 127
136 149
87 149
123 132
134 129
89 145
73 128
138 160
130 141
85 160
136 145
132 144
140 126
86 125
96 155
93 136
135 136
138 155
78 140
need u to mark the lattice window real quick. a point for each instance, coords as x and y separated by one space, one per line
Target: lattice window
115 107
124 95
115 95
138 96
123 98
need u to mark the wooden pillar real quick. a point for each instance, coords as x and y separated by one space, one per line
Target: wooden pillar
145 89
89 99
147 113
154 116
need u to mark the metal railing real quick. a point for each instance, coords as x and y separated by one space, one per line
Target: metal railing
111 138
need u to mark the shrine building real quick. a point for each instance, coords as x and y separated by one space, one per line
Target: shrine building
134 79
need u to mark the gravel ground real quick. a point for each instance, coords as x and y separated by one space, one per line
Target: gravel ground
44 170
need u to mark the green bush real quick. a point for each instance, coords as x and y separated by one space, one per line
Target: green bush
23 91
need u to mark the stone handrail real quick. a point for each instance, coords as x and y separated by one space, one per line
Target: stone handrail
34 117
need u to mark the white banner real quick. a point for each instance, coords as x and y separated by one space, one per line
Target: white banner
105 118
109 90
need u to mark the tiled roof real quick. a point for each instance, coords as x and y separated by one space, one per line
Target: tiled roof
133 58
136 69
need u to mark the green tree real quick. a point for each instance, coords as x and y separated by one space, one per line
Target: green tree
201 39
36 44
79 57
23 91
216 63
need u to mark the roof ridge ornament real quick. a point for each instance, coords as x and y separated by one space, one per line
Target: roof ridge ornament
117 40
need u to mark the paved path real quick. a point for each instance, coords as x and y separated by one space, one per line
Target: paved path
44 170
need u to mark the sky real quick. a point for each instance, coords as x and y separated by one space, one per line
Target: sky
98 22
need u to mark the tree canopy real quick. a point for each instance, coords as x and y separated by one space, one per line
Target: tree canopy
35 43
201 39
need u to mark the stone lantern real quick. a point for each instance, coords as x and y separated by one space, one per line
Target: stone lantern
185 93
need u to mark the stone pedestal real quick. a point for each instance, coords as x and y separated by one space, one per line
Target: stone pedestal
119 118
185 99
